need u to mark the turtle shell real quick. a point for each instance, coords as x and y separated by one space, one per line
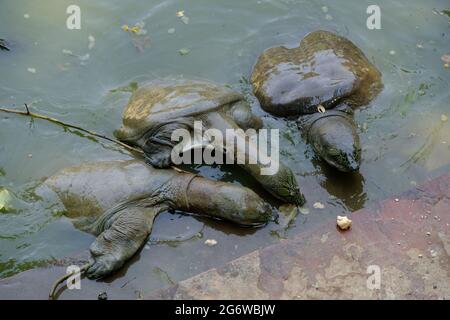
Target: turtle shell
170 100
323 69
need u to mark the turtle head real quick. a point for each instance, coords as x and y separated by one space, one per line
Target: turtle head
334 139
283 186
289 190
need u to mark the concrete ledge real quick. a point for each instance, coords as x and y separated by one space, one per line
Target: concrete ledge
407 237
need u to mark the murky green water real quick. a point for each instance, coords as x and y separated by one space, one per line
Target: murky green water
404 140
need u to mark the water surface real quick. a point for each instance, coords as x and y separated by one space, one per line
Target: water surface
404 139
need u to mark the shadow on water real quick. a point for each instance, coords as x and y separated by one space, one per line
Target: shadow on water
346 186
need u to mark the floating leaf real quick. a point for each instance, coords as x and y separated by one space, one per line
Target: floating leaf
318 205
31 70
444 118
5 198
171 31
184 51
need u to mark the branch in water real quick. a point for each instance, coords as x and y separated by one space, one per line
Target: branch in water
65 124
68 125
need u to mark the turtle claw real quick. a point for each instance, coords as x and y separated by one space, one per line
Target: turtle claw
101 267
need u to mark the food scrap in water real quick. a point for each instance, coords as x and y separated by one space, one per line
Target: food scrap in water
211 242
343 222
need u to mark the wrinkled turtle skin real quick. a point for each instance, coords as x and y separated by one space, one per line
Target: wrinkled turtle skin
324 70
158 108
118 200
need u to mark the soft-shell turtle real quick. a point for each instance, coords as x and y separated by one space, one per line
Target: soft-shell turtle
118 200
158 108
321 80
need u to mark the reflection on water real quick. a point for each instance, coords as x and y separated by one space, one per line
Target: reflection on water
345 187
60 73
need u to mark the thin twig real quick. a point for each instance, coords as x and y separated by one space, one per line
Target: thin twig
65 124
68 125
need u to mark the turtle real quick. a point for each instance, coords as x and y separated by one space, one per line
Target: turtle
118 200
160 107
320 83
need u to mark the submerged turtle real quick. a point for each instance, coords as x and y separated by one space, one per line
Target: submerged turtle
118 200
321 80
160 107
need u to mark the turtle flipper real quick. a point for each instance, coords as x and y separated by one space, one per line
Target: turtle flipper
124 232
